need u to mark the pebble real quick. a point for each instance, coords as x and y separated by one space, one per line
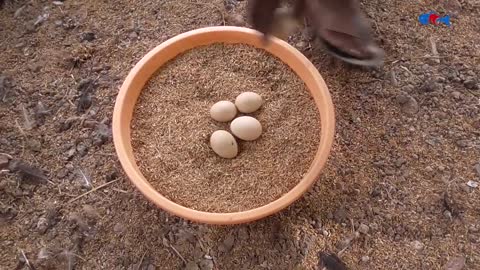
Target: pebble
88 36
90 212
84 102
417 245
35 145
474 228
453 6
119 228
399 162
243 233
191 266
82 149
235 19
62 173
42 225
340 215
365 259
455 263
462 143
206 264
472 238
408 104
133 35
363 229
477 169
227 244
470 83
431 86
71 153
343 243
102 134
301 44
456 94
447 214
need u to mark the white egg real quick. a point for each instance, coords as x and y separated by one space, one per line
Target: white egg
248 102
223 111
246 128
224 144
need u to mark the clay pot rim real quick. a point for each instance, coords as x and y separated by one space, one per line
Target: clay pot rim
143 70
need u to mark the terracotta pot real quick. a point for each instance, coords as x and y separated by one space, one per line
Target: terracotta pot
143 70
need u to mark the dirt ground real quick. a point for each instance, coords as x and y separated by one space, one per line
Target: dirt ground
403 173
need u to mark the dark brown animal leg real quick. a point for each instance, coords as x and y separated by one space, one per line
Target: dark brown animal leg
262 14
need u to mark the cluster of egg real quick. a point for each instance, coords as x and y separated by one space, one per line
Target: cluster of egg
246 128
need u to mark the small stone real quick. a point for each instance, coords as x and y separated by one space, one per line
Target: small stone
102 134
455 263
431 86
417 245
301 44
399 162
363 229
191 266
477 169
229 4
402 99
42 225
453 6
243 233
462 143
471 83
90 212
474 229
408 104
71 153
62 173
85 85
88 36
82 149
227 244
340 215
133 35
472 238
456 95
35 145
343 243
84 102
206 264
365 259
235 20
119 228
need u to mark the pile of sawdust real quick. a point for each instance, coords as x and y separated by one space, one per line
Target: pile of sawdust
172 125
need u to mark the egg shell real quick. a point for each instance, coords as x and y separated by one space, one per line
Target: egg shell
246 128
223 111
248 102
224 144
